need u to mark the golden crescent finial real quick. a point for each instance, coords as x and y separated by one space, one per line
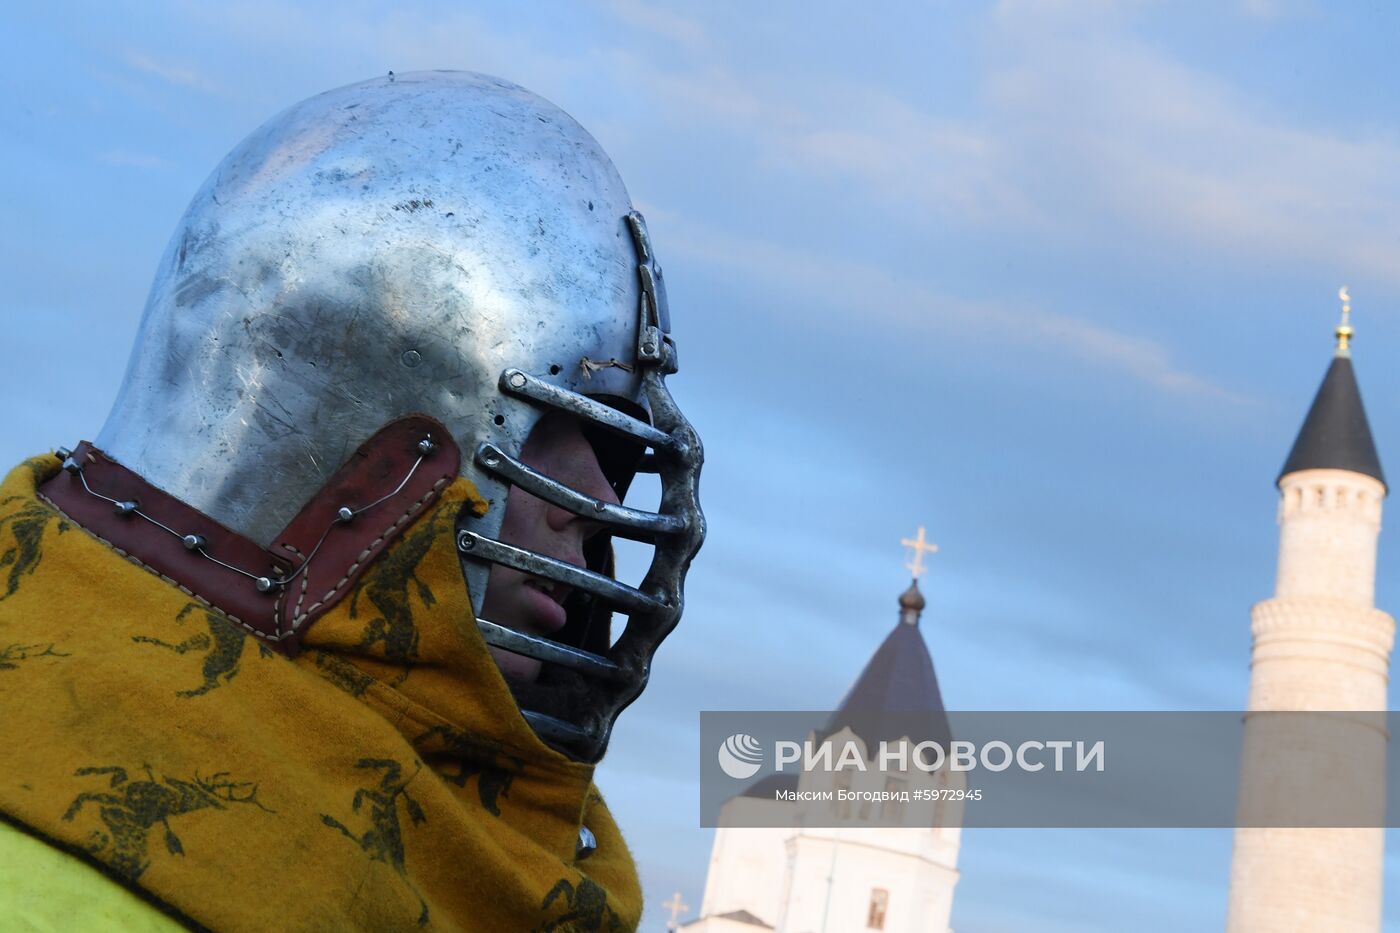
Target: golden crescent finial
1344 330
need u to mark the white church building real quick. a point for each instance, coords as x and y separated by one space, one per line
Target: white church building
827 879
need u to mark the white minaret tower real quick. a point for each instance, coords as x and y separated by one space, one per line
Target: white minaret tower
1319 644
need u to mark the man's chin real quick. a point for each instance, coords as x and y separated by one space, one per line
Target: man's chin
515 667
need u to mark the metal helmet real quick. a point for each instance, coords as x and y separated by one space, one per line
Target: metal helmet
440 242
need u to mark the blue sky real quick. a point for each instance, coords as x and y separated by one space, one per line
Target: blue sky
1054 279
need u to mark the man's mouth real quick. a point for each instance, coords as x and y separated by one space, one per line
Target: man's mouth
548 613
555 591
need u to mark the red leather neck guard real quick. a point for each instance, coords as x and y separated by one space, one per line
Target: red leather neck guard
320 555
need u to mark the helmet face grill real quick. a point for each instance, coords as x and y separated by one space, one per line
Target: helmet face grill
602 683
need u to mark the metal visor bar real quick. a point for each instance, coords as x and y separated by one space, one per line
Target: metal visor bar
629 600
520 383
557 731
543 649
635 524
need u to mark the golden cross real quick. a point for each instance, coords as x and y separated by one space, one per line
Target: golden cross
676 906
920 548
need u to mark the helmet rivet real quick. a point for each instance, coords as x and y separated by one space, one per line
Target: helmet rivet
517 380
465 542
344 514
63 453
411 358
193 542
264 584
71 466
599 505
426 446
126 506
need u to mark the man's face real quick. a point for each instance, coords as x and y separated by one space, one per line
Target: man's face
522 601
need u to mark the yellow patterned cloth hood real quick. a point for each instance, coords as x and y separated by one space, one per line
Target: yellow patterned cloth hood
382 780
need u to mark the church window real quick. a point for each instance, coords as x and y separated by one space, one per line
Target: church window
879 903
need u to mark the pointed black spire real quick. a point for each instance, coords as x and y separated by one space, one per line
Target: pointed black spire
899 678
1336 434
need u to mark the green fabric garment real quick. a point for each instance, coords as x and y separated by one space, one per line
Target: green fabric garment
46 890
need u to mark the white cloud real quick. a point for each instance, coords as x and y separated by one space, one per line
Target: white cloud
171 74
1271 9
1145 143
912 307
1082 128
932 169
650 18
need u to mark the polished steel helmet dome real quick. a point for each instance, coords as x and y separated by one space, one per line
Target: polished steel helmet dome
440 242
